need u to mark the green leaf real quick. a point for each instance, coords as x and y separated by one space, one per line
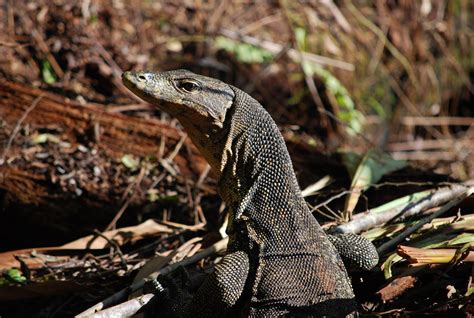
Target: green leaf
94 18
403 201
48 74
169 198
347 113
371 169
464 238
387 265
43 138
386 231
153 195
130 162
245 53
378 108
12 275
300 36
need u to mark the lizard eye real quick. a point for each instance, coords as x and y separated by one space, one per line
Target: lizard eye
188 86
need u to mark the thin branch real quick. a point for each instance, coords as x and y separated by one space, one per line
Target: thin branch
122 294
370 219
292 53
119 214
380 34
18 126
114 244
384 248
126 309
437 121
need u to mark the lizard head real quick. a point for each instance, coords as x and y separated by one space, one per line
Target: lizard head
200 104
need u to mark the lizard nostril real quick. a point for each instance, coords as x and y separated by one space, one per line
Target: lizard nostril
141 77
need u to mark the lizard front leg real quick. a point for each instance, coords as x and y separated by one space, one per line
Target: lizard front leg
222 288
357 252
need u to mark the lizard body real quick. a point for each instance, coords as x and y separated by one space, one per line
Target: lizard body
279 261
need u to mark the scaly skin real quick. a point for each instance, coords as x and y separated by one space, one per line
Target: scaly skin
279 259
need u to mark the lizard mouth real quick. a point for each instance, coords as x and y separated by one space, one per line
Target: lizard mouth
129 80
136 83
138 86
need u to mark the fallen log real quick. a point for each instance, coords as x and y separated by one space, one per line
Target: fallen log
67 167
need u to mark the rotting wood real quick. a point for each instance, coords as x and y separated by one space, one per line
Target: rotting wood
119 134
396 287
79 170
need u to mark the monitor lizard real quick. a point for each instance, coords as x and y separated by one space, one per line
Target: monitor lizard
279 260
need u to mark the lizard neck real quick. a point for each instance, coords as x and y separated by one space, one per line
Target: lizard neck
258 182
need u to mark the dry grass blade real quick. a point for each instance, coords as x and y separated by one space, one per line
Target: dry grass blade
315 187
275 48
402 208
384 248
432 256
217 247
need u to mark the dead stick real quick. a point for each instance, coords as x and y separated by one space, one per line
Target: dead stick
370 219
115 298
18 126
126 309
384 248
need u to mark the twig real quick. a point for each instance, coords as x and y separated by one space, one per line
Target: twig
116 70
332 215
253 26
400 284
203 176
343 193
10 17
314 188
126 309
397 287
369 220
114 244
115 298
413 183
380 34
340 19
292 53
127 202
384 248
430 144
85 9
37 37
377 56
45 49
177 148
13 44
427 155
407 102
308 76
437 121
18 126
